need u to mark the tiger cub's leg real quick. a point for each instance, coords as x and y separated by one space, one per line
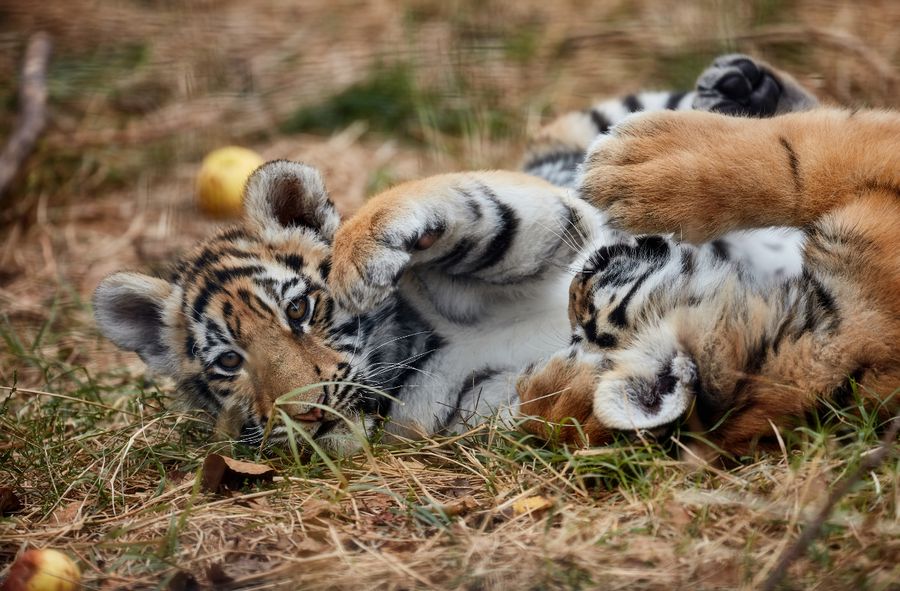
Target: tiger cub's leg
488 231
701 175
734 84
626 368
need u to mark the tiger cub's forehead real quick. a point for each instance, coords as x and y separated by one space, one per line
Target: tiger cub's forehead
237 268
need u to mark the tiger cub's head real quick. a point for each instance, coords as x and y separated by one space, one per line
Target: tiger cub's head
246 317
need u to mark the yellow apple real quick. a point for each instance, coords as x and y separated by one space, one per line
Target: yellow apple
43 570
221 180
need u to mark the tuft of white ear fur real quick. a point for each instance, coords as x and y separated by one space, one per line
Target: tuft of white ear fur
130 311
282 195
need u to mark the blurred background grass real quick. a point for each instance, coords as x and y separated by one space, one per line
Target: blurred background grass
138 86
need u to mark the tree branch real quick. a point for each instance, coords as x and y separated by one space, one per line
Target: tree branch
32 110
809 533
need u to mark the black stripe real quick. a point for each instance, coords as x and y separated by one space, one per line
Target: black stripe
756 357
236 233
474 208
632 103
601 123
264 306
503 239
842 396
248 299
325 268
237 327
470 384
214 331
564 160
600 258
877 185
293 281
780 334
719 249
218 377
794 164
231 273
215 284
202 300
267 284
652 247
618 316
688 261
198 393
604 340
291 261
674 99
456 254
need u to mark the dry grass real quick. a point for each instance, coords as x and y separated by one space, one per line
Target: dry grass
140 89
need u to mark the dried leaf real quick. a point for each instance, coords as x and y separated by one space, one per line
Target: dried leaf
9 501
461 506
535 504
222 473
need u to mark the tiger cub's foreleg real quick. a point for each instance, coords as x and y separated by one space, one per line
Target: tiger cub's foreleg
701 175
493 229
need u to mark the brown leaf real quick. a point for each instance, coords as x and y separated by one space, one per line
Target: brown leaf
533 505
9 501
222 473
461 506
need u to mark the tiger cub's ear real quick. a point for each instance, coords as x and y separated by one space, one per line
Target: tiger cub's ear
283 195
130 309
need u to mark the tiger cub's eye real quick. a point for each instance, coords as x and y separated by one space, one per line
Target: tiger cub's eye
297 310
229 360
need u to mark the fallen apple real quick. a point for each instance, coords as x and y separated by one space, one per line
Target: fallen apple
43 570
221 180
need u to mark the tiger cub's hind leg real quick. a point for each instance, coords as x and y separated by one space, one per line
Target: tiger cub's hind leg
733 84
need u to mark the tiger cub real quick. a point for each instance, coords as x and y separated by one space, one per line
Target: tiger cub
421 311
663 331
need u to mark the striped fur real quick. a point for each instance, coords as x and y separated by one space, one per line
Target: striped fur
681 334
420 313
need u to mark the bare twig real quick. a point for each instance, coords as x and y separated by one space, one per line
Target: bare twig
32 109
809 533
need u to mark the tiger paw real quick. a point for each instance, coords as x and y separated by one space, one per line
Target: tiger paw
557 399
663 172
736 85
363 272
